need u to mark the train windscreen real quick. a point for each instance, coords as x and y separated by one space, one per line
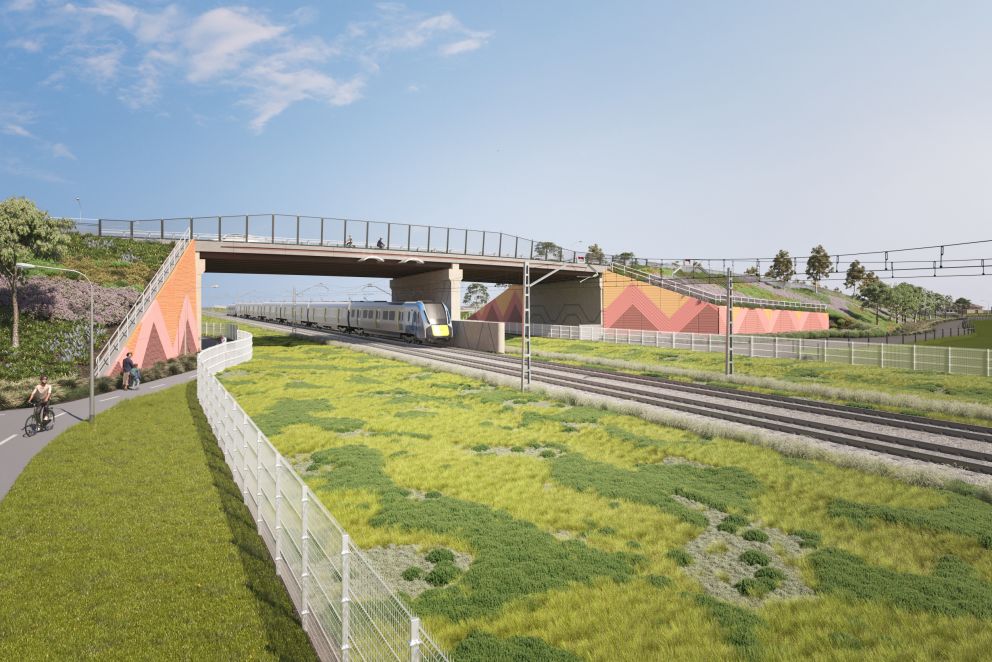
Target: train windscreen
435 313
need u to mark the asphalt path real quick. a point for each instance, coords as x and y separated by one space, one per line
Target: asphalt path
17 449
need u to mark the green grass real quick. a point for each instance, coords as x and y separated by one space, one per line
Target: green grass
129 539
933 391
980 339
576 556
111 261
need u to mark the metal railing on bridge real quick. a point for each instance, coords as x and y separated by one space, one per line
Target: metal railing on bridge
335 232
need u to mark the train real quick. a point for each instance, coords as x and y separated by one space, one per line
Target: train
418 321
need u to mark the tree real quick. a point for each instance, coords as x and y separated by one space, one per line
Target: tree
873 292
818 265
624 258
753 271
476 296
782 268
549 250
26 233
961 305
855 274
595 254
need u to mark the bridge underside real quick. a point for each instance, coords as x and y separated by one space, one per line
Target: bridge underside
224 257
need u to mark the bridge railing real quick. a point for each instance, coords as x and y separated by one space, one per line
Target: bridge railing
335 232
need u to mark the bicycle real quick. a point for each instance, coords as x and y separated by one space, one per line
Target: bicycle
42 419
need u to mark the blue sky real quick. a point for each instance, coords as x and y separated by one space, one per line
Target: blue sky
669 129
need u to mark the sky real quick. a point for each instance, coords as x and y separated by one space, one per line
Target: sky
702 129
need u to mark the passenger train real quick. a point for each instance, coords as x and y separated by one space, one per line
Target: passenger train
413 320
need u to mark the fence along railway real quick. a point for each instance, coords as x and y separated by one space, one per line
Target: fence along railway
959 445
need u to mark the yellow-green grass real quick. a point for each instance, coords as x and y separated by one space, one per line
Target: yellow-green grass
980 339
935 393
128 540
572 549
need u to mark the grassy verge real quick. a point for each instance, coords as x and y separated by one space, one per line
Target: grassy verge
956 397
111 261
590 535
980 339
129 540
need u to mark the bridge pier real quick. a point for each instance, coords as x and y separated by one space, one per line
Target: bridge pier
442 286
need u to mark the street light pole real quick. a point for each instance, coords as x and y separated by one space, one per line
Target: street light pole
25 266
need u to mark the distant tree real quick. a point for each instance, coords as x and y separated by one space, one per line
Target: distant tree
855 274
782 267
624 258
753 271
26 233
549 250
476 296
595 254
818 265
961 305
873 292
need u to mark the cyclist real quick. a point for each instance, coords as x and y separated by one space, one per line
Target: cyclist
40 397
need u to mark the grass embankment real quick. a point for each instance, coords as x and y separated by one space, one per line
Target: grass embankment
129 540
956 397
110 261
599 536
980 339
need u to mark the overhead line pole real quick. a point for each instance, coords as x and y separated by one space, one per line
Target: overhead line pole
525 373
730 323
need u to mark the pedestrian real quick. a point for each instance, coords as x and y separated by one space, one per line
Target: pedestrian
380 243
126 367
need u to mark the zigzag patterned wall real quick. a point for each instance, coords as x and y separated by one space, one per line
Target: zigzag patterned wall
631 304
171 325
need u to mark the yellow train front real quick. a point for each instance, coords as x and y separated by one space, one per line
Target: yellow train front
412 320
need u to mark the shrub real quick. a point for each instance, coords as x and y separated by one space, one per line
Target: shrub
548 453
770 573
412 573
731 523
755 535
443 573
517 449
807 539
680 556
659 581
754 557
986 541
440 554
480 448
433 494
756 587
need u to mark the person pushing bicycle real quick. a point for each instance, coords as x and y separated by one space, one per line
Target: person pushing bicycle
40 397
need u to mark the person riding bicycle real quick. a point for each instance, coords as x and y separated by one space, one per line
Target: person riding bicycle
40 397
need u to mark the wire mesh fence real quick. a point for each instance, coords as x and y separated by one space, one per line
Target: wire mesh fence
949 360
227 330
346 608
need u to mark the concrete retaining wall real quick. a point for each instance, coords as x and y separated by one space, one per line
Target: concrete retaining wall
481 336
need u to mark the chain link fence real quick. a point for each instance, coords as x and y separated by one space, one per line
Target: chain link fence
949 360
347 609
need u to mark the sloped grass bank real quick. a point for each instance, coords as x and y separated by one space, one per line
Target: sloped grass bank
980 339
129 540
957 397
580 523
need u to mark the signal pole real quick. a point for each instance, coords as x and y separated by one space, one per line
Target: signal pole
730 323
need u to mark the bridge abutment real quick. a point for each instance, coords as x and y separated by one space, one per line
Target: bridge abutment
442 286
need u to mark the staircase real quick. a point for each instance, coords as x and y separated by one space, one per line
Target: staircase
104 360
676 285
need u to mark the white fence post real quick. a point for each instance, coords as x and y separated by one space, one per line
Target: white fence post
881 355
345 595
949 362
414 639
750 346
258 476
244 450
278 533
305 561
988 363
776 347
799 352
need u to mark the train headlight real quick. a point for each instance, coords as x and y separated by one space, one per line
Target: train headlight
440 331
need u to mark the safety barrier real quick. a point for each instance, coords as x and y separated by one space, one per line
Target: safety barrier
228 330
346 608
117 340
949 360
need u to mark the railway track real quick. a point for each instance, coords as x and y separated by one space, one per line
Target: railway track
936 441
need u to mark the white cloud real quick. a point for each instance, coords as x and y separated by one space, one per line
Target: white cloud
19 5
26 44
473 43
60 151
266 61
12 129
218 40
103 66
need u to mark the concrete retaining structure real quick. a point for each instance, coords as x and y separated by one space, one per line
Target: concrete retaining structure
442 286
481 336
